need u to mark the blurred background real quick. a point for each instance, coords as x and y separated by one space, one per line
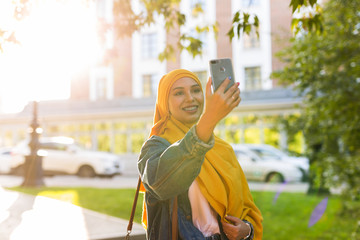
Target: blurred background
93 66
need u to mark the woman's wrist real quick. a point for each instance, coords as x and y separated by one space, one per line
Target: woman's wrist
204 128
251 232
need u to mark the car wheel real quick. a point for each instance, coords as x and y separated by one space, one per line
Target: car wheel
86 172
275 177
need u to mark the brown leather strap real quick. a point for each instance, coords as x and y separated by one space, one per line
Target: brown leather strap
129 228
174 220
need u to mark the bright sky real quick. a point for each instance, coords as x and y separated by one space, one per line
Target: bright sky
58 38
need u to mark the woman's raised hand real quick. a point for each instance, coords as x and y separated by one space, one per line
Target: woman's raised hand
221 103
217 106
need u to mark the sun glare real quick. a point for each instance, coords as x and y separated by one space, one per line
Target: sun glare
57 39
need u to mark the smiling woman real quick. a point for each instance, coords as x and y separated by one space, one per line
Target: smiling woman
56 40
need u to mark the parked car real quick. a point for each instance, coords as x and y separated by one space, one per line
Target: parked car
61 155
5 159
259 168
270 152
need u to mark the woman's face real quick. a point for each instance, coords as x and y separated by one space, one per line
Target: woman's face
186 100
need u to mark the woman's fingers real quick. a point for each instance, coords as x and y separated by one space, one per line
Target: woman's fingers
232 96
223 85
220 103
234 89
233 219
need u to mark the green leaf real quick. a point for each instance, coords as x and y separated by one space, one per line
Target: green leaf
236 17
294 24
247 29
239 27
246 17
256 21
167 54
181 19
312 2
294 4
197 10
230 33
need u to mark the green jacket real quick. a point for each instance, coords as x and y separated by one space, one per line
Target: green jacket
167 170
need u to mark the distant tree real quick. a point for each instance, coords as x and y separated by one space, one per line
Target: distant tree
127 21
325 69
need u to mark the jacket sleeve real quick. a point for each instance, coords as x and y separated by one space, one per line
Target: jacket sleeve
166 169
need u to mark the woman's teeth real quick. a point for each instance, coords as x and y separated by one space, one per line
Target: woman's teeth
190 108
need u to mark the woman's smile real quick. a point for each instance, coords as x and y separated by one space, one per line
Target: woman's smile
191 109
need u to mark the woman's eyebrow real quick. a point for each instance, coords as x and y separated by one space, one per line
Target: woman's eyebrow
195 85
177 88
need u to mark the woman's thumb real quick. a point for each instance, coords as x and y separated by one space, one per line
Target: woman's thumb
208 87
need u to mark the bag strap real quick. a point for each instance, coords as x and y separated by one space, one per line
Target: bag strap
174 220
129 228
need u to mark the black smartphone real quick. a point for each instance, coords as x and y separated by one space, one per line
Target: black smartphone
220 69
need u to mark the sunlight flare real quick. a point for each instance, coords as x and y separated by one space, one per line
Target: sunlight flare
57 39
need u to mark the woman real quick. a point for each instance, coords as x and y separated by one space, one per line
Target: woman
183 162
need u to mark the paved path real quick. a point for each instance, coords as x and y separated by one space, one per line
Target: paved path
25 217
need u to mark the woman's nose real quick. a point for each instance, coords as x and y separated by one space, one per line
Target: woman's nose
189 97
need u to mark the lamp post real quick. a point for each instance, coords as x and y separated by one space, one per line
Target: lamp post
33 174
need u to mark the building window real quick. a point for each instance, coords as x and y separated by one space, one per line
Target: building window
100 87
149 85
251 40
101 83
149 45
252 78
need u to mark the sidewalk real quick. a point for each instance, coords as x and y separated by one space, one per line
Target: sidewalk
24 217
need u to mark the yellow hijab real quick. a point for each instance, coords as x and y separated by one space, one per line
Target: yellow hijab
221 178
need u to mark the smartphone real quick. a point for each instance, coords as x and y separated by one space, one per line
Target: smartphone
220 69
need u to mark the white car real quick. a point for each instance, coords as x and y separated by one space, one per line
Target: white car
258 168
61 155
269 152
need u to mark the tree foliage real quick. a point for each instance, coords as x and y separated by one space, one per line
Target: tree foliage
325 69
127 21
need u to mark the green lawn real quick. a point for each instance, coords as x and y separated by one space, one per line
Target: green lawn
286 218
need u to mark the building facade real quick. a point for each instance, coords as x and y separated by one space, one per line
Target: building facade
131 67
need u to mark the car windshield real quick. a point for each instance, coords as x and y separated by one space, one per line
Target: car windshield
267 154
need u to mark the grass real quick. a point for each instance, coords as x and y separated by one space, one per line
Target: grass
285 217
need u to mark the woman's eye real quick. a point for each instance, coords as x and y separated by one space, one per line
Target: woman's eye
197 90
178 93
